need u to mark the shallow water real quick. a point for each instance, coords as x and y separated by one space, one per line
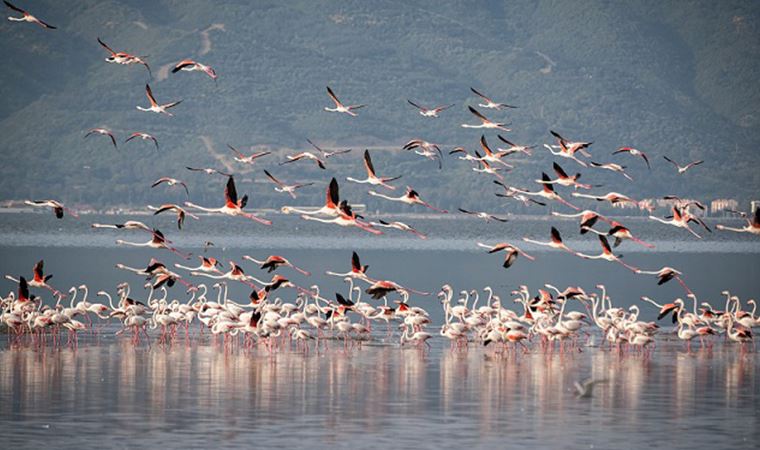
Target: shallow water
110 394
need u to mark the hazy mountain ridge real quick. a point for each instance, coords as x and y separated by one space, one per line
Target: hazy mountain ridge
667 79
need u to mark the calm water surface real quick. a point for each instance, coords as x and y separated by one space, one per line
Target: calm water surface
193 394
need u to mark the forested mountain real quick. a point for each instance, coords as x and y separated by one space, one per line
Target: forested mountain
670 78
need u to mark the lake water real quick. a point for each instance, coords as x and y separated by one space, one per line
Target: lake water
193 394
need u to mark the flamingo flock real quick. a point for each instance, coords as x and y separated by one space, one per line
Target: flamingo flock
279 313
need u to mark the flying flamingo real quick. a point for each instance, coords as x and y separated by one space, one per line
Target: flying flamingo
123 57
612 197
345 218
235 273
563 179
429 112
181 213
170 182
485 167
490 104
246 159
666 274
373 179
358 271
158 241
483 215
511 252
155 107
208 171
555 242
547 192
410 197
286 188
752 226
57 207
588 218
104 132
510 192
679 220
26 16
485 122
232 206
398 226
621 232
607 255
304 155
128 225
339 107
427 149
572 147
143 136
330 208
380 289
683 169
208 265
514 148
325 153
467 156
39 279
611 167
490 155
188 65
274 261
633 152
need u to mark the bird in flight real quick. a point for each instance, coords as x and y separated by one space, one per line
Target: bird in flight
103 132
143 136
490 104
484 122
683 169
373 179
246 159
325 153
340 107
123 57
208 171
430 112
155 107
286 188
634 152
586 388
171 182
188 65
57 207
26 17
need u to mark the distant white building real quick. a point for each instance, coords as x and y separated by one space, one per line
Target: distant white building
722 204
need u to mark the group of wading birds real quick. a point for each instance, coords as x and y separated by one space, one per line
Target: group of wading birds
266 319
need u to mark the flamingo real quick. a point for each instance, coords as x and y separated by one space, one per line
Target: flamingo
429 112
372 178
612 197
611 167
170 182
304 155
491 156
188 65
620 232
381 288
485 122
39 279
547 192
55 205
666 274
682 169
246 159
208 265
410 197
427 149
123 57
158 241
232 206
607 255
128 225
511 252
514 148
330 208
208 171
340 107
633 152
103 132
485 167
467 156
358 271
752 226
563 179
398 226
286 188
327 154
510 192
345 218
181 213
588 218
143 136
555 242
572 147
679 220
26 17
483 215
155 107
272 262
490 104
